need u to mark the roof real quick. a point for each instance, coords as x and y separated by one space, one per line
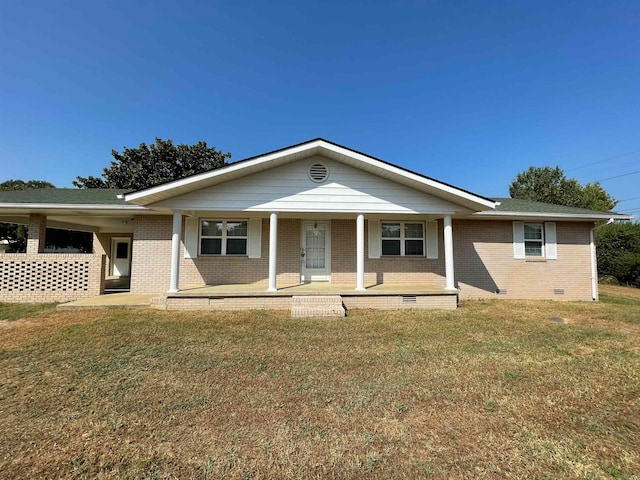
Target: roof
317 146
513 207
66 196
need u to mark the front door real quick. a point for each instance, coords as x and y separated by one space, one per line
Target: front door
120 257
316 251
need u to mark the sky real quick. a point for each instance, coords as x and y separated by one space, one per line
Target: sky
467 92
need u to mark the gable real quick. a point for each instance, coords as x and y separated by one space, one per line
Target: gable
290 188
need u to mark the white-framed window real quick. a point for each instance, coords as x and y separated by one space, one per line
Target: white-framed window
533 240
223 237
402 239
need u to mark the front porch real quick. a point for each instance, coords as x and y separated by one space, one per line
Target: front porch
254 296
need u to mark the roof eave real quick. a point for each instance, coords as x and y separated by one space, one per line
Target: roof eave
560 216
211 178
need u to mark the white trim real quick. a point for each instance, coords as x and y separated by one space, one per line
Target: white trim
374 238
543 215
72 206
191 237
518 240
223 238
273 251
175 252
360 252
402 239
432 239
550 242
212 177
450 282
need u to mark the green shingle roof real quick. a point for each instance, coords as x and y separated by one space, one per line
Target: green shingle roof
64 196
522 206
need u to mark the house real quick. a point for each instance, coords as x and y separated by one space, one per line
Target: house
313 218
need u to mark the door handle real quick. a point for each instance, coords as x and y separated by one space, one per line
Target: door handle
302 252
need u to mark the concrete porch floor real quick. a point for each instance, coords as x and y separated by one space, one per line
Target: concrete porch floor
133 301
315 288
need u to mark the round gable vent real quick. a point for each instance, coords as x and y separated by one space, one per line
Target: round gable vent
318 172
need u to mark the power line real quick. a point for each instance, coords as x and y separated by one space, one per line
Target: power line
603 160
627 199
618 176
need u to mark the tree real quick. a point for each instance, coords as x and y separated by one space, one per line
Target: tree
146 166
618 248
17 234
550 185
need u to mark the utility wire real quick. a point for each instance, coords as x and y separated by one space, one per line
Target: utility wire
627 199
603 160
617 176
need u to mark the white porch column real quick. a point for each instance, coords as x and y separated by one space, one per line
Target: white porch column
360 252
448 254
273 251
175 251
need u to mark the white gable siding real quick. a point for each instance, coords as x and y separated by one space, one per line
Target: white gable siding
289 189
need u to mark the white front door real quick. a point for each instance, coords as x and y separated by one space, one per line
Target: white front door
316 251
120 256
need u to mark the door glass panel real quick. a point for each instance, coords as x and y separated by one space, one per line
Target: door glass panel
122 250
315 246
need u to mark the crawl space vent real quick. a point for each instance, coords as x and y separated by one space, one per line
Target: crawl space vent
318 172
558 291
409 299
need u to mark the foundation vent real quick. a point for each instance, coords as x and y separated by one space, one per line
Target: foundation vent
409 299
318 172
558 291
501 291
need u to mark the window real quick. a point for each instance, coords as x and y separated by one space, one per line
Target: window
533 240
403 239
223 237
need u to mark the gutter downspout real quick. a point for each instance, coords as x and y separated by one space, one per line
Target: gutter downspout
594 260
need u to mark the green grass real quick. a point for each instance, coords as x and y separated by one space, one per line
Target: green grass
14 311
492 390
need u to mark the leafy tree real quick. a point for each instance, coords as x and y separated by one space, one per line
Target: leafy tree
550 185
17 234
162 161
618 248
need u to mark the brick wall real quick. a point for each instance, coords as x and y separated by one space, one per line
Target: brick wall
484 263
483 258
50 277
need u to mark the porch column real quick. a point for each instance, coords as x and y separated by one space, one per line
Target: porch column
273 251
448 254
37 233
175 251
360 252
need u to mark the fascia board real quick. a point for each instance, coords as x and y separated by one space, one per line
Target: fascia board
223 172
70 206
410 175
209 178
567 216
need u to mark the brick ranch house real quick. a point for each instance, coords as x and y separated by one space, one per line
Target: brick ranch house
314 218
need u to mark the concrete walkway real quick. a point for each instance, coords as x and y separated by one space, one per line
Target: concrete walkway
114 300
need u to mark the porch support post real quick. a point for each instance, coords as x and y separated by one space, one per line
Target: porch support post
175 251
360 252
448 254
273 251
37 233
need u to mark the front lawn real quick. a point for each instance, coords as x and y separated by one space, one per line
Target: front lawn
492 390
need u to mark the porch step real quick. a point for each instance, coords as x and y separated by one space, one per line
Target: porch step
304 306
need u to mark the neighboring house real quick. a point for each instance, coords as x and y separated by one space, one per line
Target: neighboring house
249 234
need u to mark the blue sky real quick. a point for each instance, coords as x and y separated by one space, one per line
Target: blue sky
470 93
